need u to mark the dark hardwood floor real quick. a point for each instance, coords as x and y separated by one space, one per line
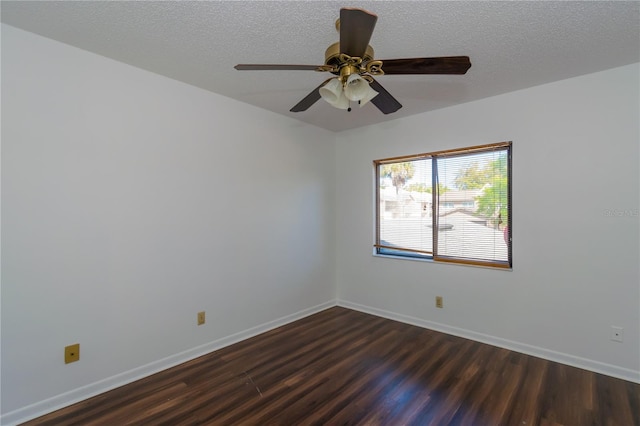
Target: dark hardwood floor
342 367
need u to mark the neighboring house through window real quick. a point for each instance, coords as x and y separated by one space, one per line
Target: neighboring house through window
450 206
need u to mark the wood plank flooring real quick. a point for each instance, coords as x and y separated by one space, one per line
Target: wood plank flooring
342 367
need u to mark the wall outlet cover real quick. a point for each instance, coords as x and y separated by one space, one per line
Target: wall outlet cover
72 353
617 334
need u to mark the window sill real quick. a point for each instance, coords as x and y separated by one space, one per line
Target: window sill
430 260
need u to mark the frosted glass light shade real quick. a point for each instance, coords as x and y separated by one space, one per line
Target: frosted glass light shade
368 96
332 93
342 102
356 87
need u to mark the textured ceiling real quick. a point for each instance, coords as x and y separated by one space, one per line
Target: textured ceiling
512 45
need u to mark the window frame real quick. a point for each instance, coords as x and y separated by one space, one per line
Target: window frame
412 254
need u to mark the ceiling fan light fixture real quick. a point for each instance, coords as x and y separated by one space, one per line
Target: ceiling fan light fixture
355 89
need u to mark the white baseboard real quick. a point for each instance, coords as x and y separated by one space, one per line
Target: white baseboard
63 400
563 358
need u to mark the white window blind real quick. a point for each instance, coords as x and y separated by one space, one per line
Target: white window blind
451 206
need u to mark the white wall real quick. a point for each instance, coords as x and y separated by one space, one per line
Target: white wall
129 203
575 274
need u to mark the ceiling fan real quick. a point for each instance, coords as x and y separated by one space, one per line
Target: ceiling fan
352 61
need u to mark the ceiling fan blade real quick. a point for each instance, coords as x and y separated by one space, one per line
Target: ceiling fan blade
356 27
275 67
441 65
383 100
310 99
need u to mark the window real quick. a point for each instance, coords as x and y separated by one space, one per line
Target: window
449 206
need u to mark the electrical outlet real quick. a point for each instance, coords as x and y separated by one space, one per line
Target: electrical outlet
201 318
439 302
72 353
617 334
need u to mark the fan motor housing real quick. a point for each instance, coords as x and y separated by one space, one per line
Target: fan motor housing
332 55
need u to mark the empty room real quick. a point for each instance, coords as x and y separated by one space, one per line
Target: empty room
319 212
